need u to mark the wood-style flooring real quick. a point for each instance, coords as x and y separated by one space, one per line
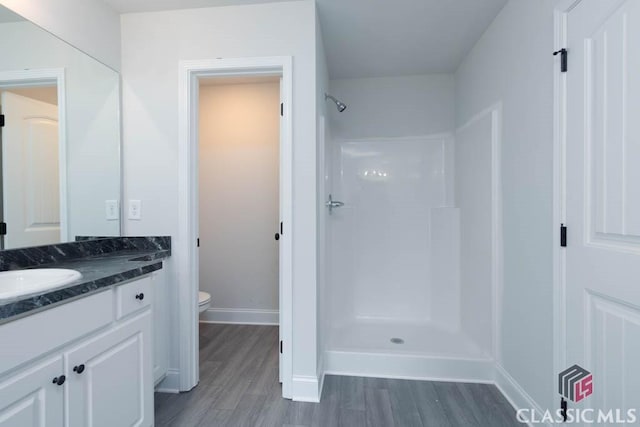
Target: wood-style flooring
239 387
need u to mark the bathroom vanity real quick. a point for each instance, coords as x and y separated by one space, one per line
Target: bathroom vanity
88 352
84 353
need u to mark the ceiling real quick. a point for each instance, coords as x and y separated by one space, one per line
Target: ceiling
8 16
378 38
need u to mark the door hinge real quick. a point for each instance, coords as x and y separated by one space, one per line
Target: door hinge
3 228
563 235
563 409
281 229
280 347
1 120
198 242
564 53
282 109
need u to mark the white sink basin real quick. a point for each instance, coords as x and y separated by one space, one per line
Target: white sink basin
17 283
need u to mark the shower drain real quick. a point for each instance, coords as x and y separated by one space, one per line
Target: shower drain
396 340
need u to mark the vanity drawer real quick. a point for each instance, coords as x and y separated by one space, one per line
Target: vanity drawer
133 296
32 336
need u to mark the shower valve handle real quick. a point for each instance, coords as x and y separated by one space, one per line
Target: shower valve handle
332 204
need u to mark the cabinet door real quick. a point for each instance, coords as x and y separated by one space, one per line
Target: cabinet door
160 326
110 382
31 398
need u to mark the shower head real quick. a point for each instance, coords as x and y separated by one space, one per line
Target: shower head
339 104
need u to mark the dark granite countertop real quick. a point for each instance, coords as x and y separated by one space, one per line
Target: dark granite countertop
99 272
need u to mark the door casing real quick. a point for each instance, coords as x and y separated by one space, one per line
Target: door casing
186 247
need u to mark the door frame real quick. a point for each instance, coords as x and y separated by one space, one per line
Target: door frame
46 77
561 13
186 253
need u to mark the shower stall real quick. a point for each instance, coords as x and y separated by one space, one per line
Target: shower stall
411 277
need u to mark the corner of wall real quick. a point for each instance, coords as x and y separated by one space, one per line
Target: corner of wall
322 82
307 388
170 383
514 393
521 32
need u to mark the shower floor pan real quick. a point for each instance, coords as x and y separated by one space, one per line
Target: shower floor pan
428 351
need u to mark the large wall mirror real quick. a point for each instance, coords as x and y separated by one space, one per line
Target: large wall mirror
60 139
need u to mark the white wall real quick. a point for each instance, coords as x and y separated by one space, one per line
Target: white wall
323 146
473 194
92 122
393 106
89 25
152 46
512 63
239 210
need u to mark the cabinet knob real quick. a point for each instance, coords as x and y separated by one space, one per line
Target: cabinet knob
59 380
78 369
140 296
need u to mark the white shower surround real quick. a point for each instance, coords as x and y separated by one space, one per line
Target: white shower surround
400 227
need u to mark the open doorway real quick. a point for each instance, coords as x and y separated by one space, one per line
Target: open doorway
238 165
32 171
235 187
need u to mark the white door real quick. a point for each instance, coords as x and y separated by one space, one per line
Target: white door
30 171
110 378
31 398
603 204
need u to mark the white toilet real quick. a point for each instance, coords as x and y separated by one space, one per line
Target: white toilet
204 301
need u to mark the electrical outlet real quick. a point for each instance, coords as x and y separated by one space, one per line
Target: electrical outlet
112 210
135 208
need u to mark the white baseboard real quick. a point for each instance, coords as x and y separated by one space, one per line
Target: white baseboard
405 366
320 373
241 316
514 393
321 386
170 383
306 389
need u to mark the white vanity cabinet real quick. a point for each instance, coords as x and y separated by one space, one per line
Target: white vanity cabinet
30 398
108 381
85 363
160 310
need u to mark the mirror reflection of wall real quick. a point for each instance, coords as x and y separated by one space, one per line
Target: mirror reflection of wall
61 140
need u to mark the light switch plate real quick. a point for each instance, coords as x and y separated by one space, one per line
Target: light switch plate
112 210
135 208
